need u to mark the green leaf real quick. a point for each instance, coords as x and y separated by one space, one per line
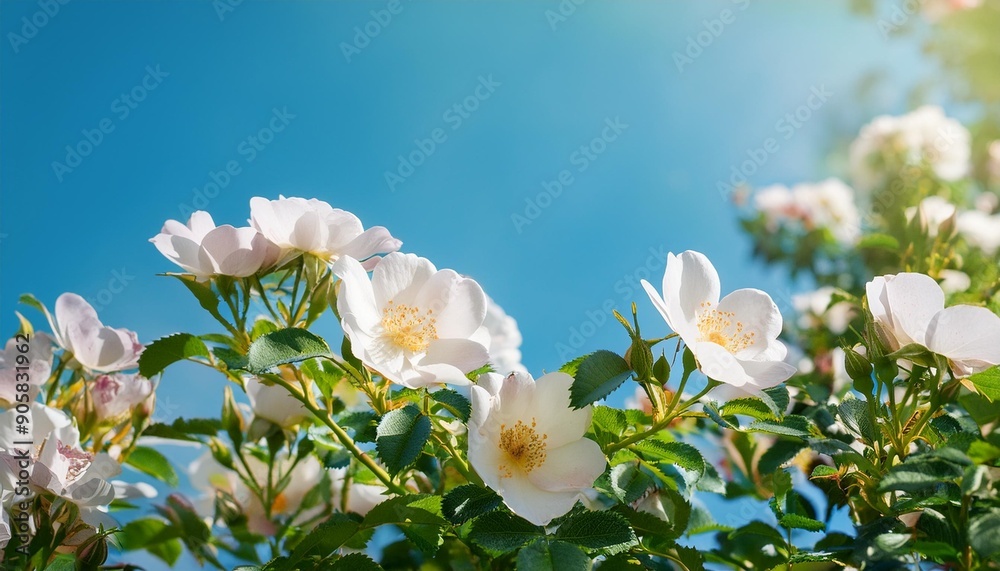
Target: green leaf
857 417
168 551
233 359
323 539
988 383
364 423
140 533
154 463
792 425
679 454
748 406
606 531
168 350
879 241
544 555
796 521
983 536
454 402
780 453
286 346
608 424
760 529
629 482
502 532
417 515
466 502
571 367
598 375
355 562
182 429
401 436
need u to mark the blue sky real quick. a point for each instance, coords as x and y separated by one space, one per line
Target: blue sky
295 98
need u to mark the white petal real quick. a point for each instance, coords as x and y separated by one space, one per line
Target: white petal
719 364
914 299
463 354
375 240
398 277
458 303
550 409
766 374
689 283
232 251
533 504
356 295
757 313
966 334
658 303
571 467
71 309
200 223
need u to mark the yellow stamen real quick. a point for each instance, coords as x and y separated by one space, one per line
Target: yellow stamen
409 327
718 327
525 448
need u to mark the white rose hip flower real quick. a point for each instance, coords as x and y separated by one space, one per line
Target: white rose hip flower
505 339
114 396
39 357
275 403
735 341
925 136
58 464
204 249
981 230
96 346
527 444
414 324
909 308
312 226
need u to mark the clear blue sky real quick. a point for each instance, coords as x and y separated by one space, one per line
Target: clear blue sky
212 83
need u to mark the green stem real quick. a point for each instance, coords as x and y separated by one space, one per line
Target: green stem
660 425
343 437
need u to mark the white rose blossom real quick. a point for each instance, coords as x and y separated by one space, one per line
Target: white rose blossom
58 464
209 477
414 324
735 340
933 212
814 309
909 308
114 396
297 225
505 339
980 230
94 345
275 404
527 443
205 250
923 137
39 356
826 204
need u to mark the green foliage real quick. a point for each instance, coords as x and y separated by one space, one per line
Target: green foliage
401 436
598 376
285 346
166 351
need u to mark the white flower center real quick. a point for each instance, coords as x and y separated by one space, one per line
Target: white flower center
525 448
409 327
718 327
